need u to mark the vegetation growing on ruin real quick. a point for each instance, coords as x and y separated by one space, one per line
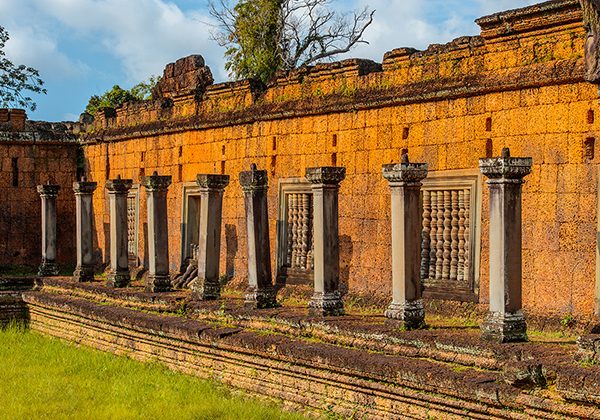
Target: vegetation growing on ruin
264 36
117 96
48 378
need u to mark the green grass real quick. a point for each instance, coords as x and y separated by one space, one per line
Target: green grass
41 377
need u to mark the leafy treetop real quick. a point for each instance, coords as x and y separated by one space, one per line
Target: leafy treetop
16 79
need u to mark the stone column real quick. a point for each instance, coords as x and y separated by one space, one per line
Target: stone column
118 189
325 185
158 279
260 293
207 286
48 194
505 321
405 184
86 261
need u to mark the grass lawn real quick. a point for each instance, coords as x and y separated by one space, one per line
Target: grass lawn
41 377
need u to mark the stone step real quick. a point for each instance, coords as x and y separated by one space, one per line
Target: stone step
308 374
457 346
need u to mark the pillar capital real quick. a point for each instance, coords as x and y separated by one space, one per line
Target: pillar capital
84 187
156 182
405 173
254 179
212 182
505 169
326 175
118 185
48 190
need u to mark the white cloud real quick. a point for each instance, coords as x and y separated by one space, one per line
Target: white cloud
30 46
143 34
417 23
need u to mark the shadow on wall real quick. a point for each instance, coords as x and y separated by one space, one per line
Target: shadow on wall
106 244
231 244
346 251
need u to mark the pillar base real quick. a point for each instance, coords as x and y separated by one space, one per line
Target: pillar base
203 289
118 279
158 283
83 273
504 328
48 269
326 304
409 315
260 298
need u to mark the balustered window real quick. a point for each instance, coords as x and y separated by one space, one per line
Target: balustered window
295 231
450 237
132 225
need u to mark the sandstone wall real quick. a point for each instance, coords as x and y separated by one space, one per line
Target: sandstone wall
33 153
519 85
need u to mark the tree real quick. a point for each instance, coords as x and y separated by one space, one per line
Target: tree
263 36
117 96
15 79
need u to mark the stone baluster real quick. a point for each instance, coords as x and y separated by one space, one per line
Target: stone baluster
447 235
86 260
260 292
294 222
304 229
425 235
290 227
505 321
433 236
158 279
48 194
439 256
325 186
460 275
454 237
467 271
118 275
207 286
405 184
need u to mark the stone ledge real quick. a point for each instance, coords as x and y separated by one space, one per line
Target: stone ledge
367 333
308 375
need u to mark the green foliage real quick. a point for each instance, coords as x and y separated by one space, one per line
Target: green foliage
15 79
47 378
253 52
117 96
264 36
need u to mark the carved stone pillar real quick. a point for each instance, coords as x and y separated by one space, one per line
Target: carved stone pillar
118 189
325 185
207 286
260 292
158 233
48 194
86 260
505 321
405 184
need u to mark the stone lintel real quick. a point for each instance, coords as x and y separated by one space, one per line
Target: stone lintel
156 182
118 185
505 169
48 190
84 187
254 180
405 172
327 175
212 182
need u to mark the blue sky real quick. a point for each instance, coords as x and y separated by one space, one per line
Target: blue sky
84 47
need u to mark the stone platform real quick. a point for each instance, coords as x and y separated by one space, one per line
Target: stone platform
350 365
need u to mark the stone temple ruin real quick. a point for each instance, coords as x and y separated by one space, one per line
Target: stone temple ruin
456 183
